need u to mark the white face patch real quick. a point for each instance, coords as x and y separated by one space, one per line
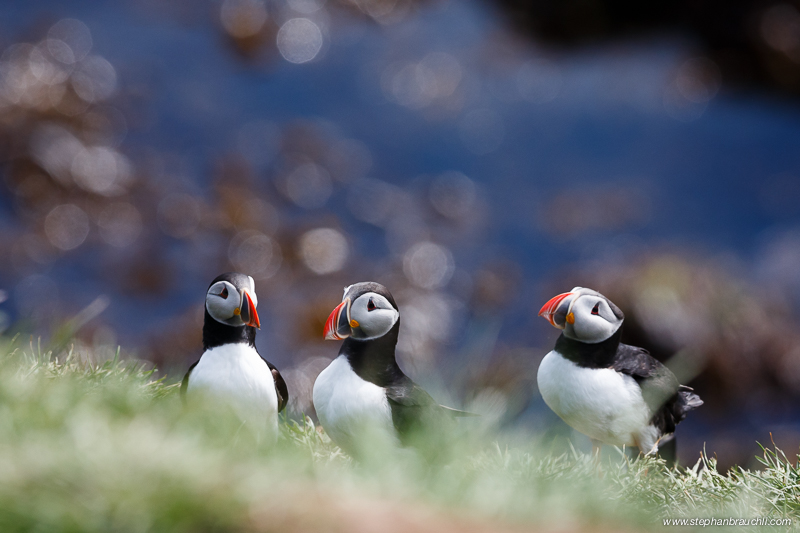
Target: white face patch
374 315
222 300
593 319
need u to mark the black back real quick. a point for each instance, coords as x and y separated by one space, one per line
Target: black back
375 361
280 385
216 334
669 401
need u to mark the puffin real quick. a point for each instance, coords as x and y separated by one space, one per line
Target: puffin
230 367
363 398
611 392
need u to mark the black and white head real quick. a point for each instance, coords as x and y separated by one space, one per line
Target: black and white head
584 314
368 311
231 300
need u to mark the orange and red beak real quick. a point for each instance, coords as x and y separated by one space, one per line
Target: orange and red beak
248 311
337 327
556 310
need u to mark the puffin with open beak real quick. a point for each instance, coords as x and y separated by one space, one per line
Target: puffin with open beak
613 393
231 367
364 391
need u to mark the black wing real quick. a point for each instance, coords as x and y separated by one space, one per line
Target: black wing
668 400
414 410
185 382
280 386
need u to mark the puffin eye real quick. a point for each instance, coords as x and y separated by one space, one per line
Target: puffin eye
371 305
596 309
224 293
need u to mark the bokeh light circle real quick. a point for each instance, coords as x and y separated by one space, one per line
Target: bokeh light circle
66 226
255 254
428 265
101 170
95 79
75 35
299 40
324 250
309 186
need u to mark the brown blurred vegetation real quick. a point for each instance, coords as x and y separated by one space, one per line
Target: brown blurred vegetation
752 42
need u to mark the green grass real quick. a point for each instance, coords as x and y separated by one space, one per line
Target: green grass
105 447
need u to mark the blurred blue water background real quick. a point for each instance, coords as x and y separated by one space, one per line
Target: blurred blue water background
422 144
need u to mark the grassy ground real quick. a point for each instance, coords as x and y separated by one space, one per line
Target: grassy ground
104 447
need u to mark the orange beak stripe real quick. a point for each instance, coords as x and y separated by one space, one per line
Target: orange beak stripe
548 310
254 321
332 324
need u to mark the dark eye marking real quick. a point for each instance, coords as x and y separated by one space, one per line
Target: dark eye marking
371 305
596 309
224 293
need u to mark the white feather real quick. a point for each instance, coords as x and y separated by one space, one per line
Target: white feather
601 403
238 375
349 407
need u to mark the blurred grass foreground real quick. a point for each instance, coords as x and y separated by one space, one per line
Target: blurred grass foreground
88 446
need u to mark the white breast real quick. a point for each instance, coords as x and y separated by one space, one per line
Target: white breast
601 403
237 374
351 409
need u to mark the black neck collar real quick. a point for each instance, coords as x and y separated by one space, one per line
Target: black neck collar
374 360
599 355
216 333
